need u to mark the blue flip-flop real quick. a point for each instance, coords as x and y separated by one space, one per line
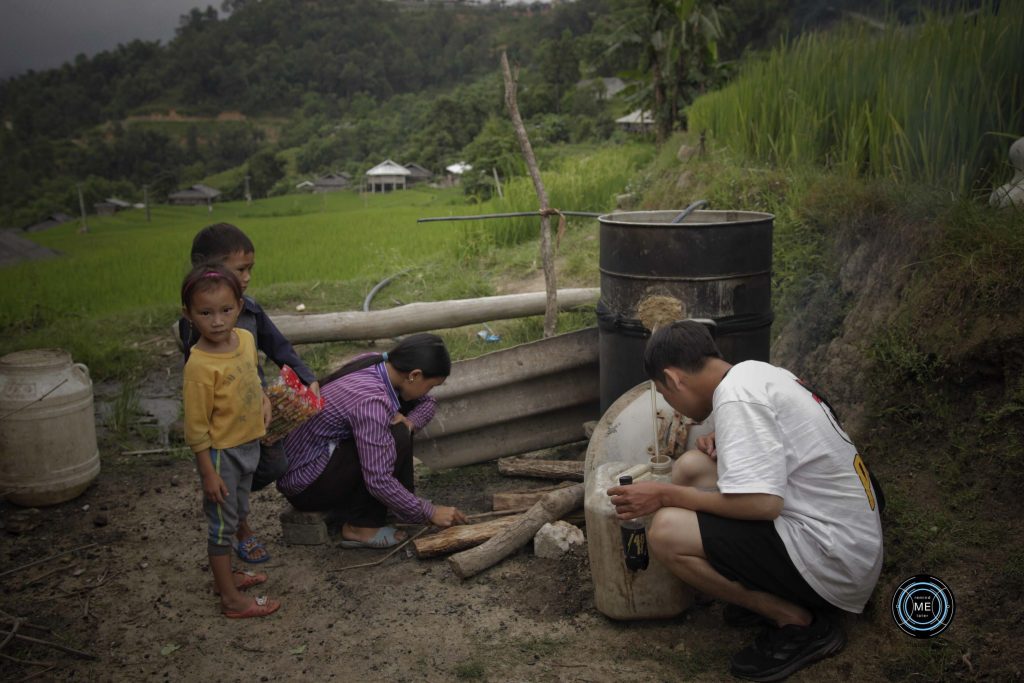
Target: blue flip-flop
245 547
384 538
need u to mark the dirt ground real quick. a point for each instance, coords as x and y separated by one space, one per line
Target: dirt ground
139 597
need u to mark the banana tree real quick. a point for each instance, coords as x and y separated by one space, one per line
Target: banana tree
676 44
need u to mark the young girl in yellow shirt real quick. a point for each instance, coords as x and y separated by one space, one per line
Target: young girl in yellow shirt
226 413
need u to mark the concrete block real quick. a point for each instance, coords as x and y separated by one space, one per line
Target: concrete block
303 528
555 539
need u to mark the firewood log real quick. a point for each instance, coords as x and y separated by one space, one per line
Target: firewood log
553 506
544 469
513 500
456 538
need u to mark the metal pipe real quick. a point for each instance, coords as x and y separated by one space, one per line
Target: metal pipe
517 214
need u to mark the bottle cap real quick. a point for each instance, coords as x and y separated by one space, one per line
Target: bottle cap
625 480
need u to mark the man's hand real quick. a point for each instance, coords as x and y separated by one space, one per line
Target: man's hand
706 443
637 500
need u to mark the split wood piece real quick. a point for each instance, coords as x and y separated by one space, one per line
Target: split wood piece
456 538
383 559
553 506
554 452
510 500
544 469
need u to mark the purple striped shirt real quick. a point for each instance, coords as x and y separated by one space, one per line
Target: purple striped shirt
360 406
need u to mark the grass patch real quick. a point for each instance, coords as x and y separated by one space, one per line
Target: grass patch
471 670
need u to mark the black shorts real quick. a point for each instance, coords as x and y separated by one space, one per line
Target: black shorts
752 553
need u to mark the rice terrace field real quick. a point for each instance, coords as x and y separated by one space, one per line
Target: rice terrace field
119 282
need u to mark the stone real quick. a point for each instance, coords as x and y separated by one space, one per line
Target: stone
303 528
555 539
1012 193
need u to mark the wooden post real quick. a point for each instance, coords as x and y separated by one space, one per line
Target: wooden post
551 507
497 182
547 258
81 206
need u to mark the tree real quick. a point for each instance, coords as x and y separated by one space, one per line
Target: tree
265 169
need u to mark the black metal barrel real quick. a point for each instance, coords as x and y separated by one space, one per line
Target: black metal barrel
717 263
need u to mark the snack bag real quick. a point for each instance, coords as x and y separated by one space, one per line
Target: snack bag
292 403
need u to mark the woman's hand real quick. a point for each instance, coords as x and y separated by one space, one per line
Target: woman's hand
445 516
706 443
399 418
315 388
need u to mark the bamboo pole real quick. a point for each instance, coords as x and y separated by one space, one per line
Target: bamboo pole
418 317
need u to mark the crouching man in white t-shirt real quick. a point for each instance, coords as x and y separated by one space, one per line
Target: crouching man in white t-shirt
792 531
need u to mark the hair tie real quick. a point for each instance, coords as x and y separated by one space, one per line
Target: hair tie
384 357
212 273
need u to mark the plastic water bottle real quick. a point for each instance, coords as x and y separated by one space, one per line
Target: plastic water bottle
634 538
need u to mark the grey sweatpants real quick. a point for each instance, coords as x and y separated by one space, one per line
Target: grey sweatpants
235 466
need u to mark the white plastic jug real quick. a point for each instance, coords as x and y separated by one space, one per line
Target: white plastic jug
48 450
619 593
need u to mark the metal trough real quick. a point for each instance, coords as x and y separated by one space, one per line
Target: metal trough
515 400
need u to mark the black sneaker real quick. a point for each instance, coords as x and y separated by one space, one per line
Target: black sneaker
734 615
780 652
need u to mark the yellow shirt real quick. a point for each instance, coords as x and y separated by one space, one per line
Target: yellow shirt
223 396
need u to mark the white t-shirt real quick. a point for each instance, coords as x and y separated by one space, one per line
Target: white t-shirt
773 436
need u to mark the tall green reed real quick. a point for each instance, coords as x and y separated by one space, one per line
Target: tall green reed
931 102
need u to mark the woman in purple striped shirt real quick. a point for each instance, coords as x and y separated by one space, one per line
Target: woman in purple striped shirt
354 458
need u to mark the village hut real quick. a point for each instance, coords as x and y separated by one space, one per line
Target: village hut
387 176
51 221
332 182
418 174
636 122
196 195
110 206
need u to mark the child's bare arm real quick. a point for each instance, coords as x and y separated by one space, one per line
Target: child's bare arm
213 486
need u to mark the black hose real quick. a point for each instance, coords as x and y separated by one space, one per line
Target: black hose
688 210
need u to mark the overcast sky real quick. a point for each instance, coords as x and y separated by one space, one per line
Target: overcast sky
41 34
